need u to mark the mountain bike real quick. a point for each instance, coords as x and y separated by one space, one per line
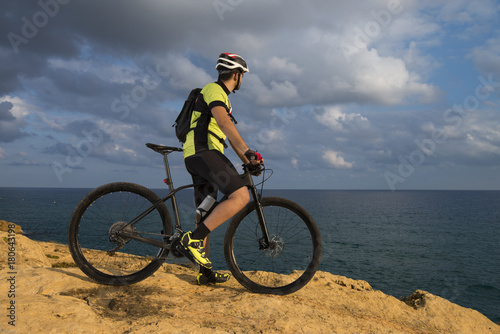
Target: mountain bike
121 233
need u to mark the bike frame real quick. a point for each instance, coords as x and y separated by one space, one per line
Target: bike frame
165 151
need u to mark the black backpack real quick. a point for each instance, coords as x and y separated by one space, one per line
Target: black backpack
183 121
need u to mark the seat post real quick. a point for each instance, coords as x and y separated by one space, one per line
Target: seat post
171 188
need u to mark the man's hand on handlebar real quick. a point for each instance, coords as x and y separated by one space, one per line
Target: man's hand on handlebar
256 160
254 157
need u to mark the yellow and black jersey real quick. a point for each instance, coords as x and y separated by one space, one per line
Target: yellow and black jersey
207 135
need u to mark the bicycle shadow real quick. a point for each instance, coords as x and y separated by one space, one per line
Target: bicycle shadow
78 275
229 286
188 275
189 278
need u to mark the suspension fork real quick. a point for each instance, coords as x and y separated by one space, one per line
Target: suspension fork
265 240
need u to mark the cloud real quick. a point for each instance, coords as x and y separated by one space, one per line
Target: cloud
334 160
463 11
109 73
386 80
280 67
182 74
341 122
5 114
271 94
59 148
487 56
29 163
130 33
11 121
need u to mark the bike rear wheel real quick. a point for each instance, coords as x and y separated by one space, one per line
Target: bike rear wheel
291 259
106 257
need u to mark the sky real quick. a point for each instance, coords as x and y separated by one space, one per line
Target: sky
375 94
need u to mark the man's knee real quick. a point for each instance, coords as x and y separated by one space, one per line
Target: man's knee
242 196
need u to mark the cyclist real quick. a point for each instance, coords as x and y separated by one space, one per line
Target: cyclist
204 158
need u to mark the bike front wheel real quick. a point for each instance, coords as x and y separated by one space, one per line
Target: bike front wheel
100 252
292 256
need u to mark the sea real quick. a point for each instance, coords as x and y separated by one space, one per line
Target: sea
443 242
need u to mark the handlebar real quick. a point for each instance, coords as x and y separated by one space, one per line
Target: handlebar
254 170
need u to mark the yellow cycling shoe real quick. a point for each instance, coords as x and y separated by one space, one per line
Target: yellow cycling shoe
196 250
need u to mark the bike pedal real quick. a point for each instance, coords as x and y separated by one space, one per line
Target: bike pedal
179 248
173 248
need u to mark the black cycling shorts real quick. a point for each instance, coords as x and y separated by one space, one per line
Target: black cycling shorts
215 170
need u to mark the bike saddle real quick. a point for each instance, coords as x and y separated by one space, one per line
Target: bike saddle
163 149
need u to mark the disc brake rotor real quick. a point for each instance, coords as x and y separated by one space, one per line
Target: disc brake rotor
276 246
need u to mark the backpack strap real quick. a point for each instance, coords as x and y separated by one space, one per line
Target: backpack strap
207 122
222 141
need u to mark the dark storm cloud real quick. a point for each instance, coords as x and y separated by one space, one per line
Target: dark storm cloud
5 114
10 127
9 133
129 29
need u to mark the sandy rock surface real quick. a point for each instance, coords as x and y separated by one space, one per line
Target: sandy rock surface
53 296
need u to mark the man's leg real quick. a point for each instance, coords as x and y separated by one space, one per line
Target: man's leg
193 241
206 241
214 167
222 212
206 244
228 208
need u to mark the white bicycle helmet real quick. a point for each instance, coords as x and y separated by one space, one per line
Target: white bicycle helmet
231 63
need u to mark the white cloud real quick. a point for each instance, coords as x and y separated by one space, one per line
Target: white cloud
484 136
336 161
282 65
419 61
3 154
275 94
20 108
108 72
339 121
464 11
387 80
182 73
16 117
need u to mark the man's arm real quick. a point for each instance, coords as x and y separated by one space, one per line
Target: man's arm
240 154
229 129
